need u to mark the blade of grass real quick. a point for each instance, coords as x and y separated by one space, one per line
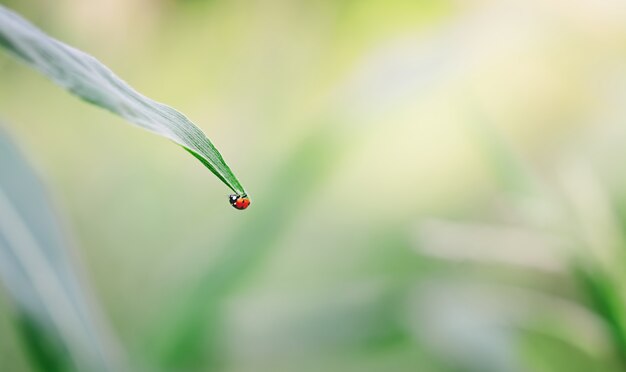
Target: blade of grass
86 77
192 339
58 326
604 298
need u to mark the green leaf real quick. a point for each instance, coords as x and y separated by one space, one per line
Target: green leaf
90 80
604 296
193 337
58 325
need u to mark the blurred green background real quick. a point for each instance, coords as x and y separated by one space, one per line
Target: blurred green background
436 185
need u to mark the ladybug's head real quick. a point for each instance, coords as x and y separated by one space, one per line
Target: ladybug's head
239 201
233 198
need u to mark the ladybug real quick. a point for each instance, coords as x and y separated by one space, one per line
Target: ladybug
240 202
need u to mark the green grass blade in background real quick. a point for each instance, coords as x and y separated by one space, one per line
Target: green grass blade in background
59 328
192 339
90 80
604 298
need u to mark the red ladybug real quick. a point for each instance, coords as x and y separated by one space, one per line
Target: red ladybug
239 201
